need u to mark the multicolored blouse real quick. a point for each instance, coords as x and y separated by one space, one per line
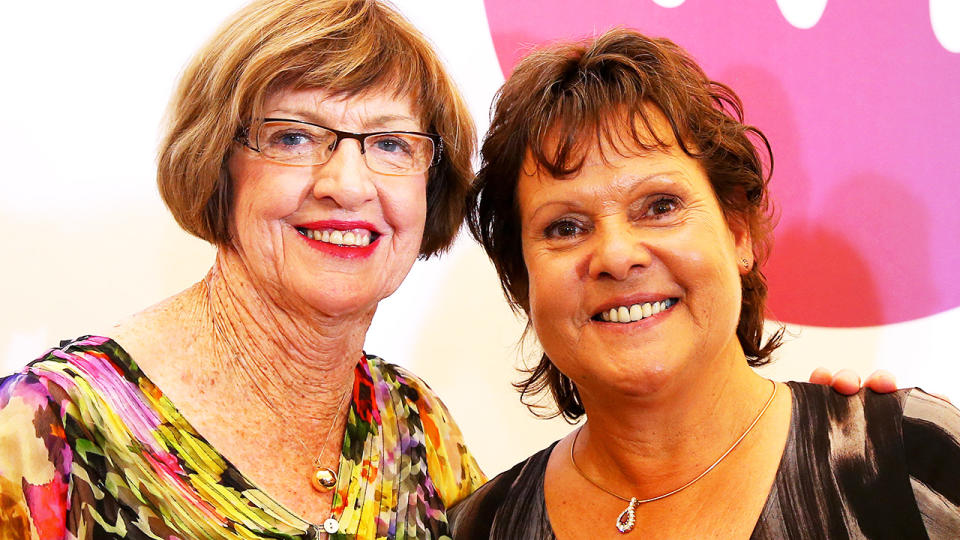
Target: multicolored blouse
90 448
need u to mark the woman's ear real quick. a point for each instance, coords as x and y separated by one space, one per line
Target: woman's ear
743 243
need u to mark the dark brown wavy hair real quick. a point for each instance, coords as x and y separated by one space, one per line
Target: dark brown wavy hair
583 93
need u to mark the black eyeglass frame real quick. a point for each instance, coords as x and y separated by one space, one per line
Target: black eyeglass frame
243 137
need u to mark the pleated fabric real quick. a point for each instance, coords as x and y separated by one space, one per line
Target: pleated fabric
91 448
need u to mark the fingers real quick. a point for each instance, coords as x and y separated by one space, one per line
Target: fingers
846 382
881 381
821 375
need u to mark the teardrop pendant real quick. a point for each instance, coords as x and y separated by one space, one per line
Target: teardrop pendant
323 479
628 518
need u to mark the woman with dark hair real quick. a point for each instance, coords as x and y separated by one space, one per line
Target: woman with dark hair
625 205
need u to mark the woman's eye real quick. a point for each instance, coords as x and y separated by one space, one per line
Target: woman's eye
290 138
662 206
391 145
563 229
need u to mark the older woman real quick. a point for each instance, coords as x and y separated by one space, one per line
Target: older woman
321 146
616 172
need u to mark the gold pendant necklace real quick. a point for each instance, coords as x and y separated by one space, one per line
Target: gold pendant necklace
323 479
628 519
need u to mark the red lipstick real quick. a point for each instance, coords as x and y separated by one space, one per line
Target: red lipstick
343 252
338 225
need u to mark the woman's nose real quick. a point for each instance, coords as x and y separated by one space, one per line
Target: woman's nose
616 251
345 178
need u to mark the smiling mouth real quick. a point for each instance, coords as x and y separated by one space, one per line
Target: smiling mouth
349 238
635 312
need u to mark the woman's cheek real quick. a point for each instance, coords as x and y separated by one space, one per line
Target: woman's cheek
553 293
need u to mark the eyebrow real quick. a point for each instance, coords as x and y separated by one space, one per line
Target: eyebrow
377 122
635 181
384 119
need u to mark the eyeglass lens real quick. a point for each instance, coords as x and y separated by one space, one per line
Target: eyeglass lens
304 144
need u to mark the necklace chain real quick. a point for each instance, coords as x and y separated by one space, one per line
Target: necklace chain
323 447
330 479
626 519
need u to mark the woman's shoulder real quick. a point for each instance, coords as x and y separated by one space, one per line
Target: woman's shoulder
36 452
892 419
73 369
87 358
35 459
511 501
80 379
898 405
26 394
377 365
416 391
453 469
904 445
931 439
921 407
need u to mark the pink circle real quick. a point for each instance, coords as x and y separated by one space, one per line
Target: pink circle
862 113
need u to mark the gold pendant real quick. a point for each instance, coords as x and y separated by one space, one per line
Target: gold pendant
323 479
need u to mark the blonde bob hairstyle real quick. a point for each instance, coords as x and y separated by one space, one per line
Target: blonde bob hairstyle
343 46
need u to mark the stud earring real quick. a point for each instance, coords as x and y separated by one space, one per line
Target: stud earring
745 263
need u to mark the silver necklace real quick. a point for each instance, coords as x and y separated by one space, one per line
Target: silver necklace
628 519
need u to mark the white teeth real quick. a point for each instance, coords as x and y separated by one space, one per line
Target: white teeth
635 312
356 237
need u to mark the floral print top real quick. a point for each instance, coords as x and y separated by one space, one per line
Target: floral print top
90 448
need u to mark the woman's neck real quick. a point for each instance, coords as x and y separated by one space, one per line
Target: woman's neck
669 438
296 361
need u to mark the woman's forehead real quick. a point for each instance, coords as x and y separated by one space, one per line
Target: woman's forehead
613 133
608 179
372 109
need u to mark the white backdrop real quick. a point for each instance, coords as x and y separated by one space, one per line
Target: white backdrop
87 241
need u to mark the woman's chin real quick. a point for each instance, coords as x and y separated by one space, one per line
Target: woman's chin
637 380
331 303
649 379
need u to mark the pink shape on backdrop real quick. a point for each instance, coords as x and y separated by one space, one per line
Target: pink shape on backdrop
862 113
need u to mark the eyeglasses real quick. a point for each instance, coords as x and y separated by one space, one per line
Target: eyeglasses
296 142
